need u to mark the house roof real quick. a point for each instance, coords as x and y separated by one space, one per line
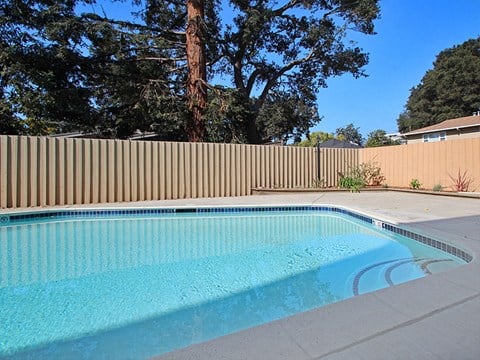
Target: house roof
334 143
463 122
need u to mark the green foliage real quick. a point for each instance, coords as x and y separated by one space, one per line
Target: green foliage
353 183
291 47
63 70
9 123
227 116
349 133
379 138
284 116
415 184
314 138
450 90
461 182
437 187
365 174
42 66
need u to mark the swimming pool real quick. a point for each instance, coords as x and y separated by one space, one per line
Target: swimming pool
139 282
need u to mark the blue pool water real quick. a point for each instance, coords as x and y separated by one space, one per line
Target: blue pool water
133 286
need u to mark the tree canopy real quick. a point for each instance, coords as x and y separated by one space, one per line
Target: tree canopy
64 70
67 65
450 90
314 138
379 138
349 133
285 50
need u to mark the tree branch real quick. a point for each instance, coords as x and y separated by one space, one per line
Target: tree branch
215 60
271 82
287 6
252 79
132 25
160 59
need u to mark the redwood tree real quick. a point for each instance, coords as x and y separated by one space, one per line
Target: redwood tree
197 69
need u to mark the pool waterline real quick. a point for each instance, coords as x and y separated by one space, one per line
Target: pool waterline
16 217
222 211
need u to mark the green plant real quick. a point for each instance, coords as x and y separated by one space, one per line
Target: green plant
364 174
461 182
415 184
353 183
318 183
437 187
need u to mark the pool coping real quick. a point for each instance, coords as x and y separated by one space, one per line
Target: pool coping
458 194
427 318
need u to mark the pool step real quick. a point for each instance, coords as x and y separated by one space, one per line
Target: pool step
384 270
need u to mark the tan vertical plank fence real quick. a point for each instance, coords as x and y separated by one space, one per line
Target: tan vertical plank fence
430 163
336 162
43 171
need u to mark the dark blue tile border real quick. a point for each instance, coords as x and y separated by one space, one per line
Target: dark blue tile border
8 219
429 241
63 214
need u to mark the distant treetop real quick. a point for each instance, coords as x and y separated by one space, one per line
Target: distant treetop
450 90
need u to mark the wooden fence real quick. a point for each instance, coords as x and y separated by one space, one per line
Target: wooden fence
41 171
430 163
44 171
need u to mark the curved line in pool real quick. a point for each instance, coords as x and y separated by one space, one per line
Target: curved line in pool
356 280
425 265
388 273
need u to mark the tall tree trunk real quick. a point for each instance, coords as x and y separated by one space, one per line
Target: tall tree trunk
197 69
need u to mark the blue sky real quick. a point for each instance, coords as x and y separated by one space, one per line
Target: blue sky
410 34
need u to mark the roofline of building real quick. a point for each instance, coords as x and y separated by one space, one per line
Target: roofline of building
416 132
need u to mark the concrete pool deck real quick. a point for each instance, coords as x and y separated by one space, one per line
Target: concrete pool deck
436 317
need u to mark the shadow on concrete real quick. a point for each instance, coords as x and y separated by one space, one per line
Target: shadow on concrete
462 226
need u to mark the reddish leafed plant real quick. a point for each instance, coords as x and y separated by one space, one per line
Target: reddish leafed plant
461 182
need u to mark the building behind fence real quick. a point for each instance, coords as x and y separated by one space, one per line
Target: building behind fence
43 171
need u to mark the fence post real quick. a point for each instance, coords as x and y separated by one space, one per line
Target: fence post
318 158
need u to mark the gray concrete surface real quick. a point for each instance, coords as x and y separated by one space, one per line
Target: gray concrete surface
436 317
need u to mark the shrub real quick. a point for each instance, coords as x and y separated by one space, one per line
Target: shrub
461 182
353 183
365 174
437 187
415 184
371 173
